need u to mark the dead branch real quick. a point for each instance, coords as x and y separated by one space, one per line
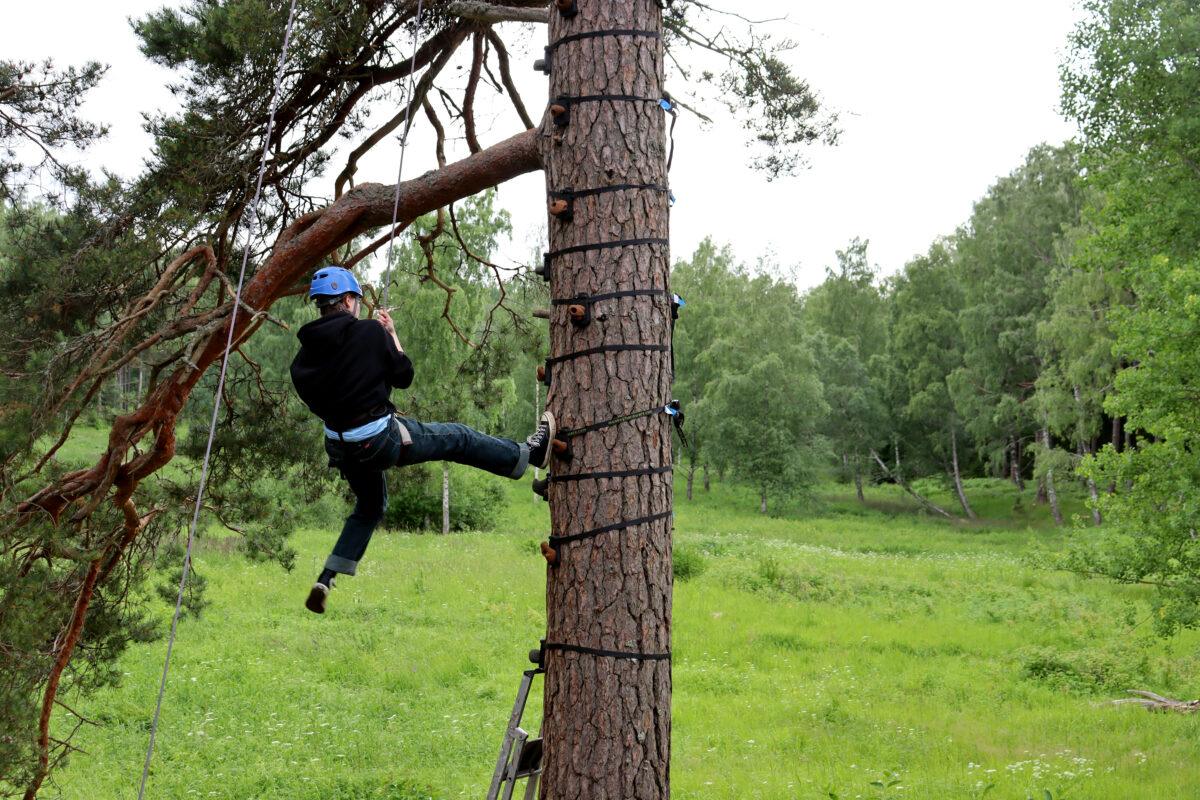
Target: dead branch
426 242
506 78
72 632
420 90
77 714
468 106
375 245
440 148
900 482
1155 702
486 12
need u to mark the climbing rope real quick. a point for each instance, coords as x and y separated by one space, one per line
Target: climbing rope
251 227
412 73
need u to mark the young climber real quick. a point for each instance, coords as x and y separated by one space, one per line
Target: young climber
344 373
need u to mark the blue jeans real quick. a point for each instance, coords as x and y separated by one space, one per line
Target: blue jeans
363 465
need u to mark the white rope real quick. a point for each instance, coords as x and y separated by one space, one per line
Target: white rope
250 230
412 75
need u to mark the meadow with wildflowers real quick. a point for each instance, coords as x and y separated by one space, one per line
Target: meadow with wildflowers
842 651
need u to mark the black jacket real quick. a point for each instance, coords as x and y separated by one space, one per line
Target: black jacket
346 370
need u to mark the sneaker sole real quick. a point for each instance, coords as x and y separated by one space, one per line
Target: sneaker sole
316 598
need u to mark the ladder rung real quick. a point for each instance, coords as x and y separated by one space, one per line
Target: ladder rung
529 760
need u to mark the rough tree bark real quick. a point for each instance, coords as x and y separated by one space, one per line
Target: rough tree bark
607 719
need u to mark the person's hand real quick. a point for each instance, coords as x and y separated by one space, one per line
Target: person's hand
385 319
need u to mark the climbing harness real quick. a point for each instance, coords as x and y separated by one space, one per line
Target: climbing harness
560 107
251 226
412 74
672 409
579 307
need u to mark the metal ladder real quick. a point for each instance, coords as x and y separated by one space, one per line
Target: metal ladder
520 756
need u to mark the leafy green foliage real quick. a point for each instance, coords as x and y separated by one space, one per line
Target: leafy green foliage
415 499
926 347
1131 85
1013 246
750 386
1151 515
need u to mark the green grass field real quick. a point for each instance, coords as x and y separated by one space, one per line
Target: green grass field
846 652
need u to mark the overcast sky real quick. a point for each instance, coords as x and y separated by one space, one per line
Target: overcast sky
937 98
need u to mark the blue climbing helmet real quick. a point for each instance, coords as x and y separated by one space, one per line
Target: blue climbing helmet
333 282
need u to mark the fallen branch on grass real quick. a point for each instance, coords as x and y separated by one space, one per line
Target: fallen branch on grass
1156 702
900 482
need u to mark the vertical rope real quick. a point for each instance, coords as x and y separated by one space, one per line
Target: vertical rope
251 227
412 75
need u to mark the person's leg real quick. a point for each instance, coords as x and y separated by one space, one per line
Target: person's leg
370 492
453 441
362 464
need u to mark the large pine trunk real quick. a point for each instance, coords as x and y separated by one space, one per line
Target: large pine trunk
607 719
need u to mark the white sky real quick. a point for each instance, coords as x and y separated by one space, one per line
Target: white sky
937 99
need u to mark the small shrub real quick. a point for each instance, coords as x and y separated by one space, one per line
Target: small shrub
688 563
1112 670
415 498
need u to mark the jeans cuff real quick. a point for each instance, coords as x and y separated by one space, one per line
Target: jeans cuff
522 462
342 566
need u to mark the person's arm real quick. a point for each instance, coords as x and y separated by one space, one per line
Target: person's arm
400 373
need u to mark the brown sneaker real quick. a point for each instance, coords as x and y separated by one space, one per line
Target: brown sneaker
316 598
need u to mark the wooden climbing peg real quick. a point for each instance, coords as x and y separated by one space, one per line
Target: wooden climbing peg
577 311
559 206
550 554
562 448
557 111
541 374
